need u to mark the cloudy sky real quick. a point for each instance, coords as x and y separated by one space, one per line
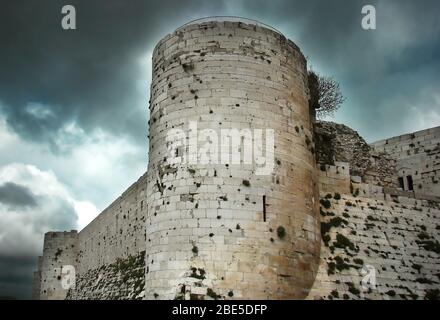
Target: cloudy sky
74 104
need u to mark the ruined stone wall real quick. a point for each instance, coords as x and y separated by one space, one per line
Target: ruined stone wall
396 235
221 230
60 249
338 143
417 155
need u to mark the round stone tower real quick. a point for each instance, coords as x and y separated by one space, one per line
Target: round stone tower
232 191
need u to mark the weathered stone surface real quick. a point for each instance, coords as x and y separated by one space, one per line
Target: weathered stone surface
337 142
417 155
117 233
121 280
210 217
396 235
222 232
401 243
60 250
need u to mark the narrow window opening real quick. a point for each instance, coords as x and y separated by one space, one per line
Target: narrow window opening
264 208
410 183
401 185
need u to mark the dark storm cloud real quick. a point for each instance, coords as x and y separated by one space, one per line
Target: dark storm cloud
389 75
16 195
89 74
26 214
50 77
16 276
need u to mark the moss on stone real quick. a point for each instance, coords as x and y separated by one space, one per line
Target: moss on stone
211 293
281 232
343 243
325 203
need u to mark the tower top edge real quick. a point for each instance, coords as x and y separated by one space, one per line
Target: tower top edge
229 21
212 19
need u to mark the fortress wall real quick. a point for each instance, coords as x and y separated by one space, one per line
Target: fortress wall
209 231
117 232
336 178
111 259
221 230
396 235
417 155
120 280
60 250
108 254
401 146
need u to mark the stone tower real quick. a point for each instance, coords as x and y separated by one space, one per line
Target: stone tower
230 229
60 251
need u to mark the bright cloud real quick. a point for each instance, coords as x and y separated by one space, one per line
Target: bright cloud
22 226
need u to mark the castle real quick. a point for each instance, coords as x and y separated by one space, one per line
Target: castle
330 206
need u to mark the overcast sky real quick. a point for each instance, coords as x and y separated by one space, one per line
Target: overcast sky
74 104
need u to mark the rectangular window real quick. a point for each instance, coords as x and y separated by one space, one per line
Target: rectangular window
410 182
401 185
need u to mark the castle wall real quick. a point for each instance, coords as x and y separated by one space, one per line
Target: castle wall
417 155
222 230
117 232
110 249
394 237
212 229
120 280
111 257
335 177
60 251
338 143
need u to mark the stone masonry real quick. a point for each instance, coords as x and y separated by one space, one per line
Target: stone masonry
394 235
222 218
329 207
417 158
60 250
